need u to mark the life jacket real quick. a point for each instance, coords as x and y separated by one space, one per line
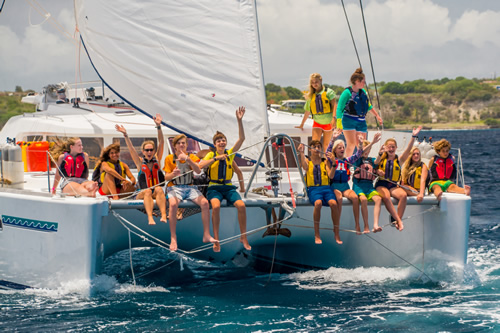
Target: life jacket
320 104
365 170
342 172
74 166
443 168
358 104
150 177
119 167
186 177
414 179
316 175
392 169
221 171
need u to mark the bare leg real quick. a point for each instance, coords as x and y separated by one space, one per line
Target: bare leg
148 204
364 210
316 134
242 220
386 198
161 201
438 192
336 220
317 217
109 186
216 221
351 195
401 196
376 212
205 218
127 190
327 136
86 189
456 189
173 204
338 195
351 142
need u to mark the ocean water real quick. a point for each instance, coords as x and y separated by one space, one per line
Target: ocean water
216 298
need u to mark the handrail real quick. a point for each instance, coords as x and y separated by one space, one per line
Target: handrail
266 146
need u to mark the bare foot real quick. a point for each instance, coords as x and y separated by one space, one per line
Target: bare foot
173 245
217 247
439 196
179 213
317 240
151 221
163 219
337 239
467 189
377 229
400 226
367 230
244 241
358 230
209 239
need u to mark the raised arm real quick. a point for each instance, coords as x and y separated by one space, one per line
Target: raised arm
239 116
406 153
303 160
161 141
133 153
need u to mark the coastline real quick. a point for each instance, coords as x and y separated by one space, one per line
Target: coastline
443 126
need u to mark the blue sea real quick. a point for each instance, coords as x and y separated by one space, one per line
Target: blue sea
198 296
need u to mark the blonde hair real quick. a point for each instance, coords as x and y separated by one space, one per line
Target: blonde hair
358 75
409 166
148 142
62 146
313 91
335 145
443 143
384 155
178 138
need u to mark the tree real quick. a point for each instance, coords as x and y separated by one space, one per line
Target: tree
293 93
19 89
271 87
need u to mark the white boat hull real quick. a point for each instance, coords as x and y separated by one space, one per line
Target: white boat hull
41 247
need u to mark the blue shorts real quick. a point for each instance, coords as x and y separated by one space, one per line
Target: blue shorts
352 123
183 192
221 192
341 187
323 193
386 184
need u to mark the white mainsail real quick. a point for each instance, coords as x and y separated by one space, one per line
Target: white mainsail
194 62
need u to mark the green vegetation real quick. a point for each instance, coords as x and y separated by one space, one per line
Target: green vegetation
11 106
463 101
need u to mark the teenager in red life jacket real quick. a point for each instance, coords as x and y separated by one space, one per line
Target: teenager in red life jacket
443 171
72 165
150 177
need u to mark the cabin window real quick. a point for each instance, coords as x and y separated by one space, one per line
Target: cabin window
288 151
125 156
92 146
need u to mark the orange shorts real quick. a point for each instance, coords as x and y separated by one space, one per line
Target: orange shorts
327 127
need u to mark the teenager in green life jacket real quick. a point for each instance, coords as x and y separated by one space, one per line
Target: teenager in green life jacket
220 172
443 170
179 168
318 173
111 174
321 103
150 177
340 181
352 109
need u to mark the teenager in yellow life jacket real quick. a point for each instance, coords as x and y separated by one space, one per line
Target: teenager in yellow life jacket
179 168
220 172
318 173
321 103
72 164
352 109
389 171
415 174
150 177
443 170
111 173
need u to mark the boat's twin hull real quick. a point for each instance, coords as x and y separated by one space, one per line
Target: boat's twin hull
41 247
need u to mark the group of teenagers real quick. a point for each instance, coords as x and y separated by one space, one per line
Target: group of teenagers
113 178
328 171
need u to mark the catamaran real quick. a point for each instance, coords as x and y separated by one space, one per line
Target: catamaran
194 63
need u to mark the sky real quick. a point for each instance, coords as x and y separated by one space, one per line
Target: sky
409 40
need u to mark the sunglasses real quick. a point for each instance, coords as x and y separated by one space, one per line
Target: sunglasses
149 150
